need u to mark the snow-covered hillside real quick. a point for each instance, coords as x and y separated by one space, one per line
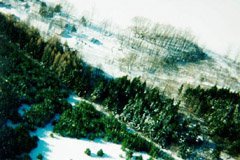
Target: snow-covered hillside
214 22
103 49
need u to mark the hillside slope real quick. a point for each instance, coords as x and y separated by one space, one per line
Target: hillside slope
107 50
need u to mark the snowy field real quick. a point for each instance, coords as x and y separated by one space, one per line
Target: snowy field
107 54
55 147
215 23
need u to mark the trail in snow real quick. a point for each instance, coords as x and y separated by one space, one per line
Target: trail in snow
74 98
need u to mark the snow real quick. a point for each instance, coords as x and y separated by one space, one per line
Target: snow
225 156
55 147
14 12
107 56
23 108
103 56
214 22
21 111
73 99
62 148
9 123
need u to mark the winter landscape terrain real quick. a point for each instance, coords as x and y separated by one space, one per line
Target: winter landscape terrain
58 147
209 23
107 54
171 45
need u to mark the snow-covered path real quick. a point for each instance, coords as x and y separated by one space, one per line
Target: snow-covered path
73 99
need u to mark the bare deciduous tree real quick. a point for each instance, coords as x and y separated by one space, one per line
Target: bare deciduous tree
128 61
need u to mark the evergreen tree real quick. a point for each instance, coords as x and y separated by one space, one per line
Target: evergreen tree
87 152
100 153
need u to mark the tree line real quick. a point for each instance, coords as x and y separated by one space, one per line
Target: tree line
84 121
24 81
